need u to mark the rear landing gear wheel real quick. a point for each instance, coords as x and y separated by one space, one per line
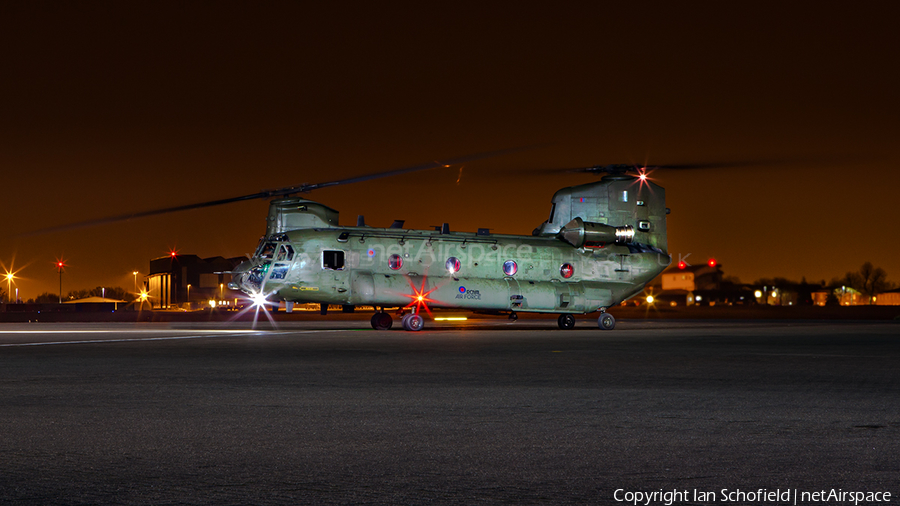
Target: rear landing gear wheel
413 322
566 321
606 321
382 321
513 316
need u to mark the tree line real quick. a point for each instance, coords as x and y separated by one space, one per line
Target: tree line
116 292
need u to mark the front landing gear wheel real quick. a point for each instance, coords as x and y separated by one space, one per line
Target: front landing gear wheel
566 321
606 321
413 322
382 321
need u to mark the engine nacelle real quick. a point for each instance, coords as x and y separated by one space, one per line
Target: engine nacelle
580 233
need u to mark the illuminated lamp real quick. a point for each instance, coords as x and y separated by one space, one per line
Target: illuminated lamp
711 262
650 299
682 264
259 300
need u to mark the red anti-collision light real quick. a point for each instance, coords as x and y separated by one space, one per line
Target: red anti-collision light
711 262
682 265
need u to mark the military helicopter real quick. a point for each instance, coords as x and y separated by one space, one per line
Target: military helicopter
602 243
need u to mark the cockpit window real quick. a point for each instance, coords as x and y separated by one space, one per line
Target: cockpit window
552 212
279 271
286 252
268 250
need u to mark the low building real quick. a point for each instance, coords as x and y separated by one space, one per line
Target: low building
190 282
889 298
96 304
692 277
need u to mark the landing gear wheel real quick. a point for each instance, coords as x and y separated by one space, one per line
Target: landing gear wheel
566 321
606 321
382 321
403 320
513 316
413 322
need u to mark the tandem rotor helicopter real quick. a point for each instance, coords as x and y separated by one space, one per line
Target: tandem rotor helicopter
601 244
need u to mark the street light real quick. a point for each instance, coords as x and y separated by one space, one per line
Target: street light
9 278
135 281
60 264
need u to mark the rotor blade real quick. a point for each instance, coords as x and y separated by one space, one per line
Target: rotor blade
635 168
280 192
425 166
153 212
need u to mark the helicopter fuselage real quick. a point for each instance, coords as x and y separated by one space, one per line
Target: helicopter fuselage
391 267
602 244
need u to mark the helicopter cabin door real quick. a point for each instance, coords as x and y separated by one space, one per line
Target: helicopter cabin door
335 271
516 297
570 296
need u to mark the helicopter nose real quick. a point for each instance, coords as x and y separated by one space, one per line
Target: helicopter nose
239 275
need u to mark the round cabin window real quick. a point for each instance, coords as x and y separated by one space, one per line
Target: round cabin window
510 267
566 270
453 265
395 262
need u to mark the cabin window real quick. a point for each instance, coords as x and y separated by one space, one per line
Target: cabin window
644 226
510 267
623 197
267 250
453 265
566 270
395 262
552 212
333 259
285 253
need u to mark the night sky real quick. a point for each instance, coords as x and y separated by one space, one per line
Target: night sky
116 108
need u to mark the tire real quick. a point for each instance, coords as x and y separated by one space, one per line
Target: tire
606 321
382 321
403 320
566 321
415 323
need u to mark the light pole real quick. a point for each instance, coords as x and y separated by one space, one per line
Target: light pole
59 267
9 278
189 293
135 281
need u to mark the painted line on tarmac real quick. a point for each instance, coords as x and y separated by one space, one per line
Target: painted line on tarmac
128 331
818 355
166 338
